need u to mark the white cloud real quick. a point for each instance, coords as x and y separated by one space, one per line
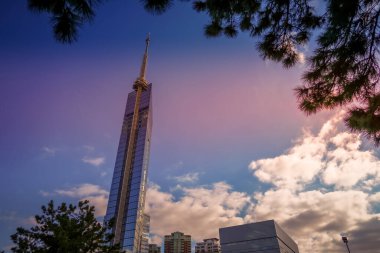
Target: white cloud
82 190
88 148
296 167
322 186
31 220
335 157
95 161
14 218
100 202
310 198
313 218
49 151
97 196
199 212
45 193
375 198
346 164
191 177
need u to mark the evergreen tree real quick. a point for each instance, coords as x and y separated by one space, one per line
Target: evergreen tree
67 228
66 15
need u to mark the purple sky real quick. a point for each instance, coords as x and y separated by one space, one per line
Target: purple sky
228 140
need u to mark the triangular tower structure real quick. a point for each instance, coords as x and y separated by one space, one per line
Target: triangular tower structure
127 195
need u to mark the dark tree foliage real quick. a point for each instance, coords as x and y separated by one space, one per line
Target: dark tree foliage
67 228
66 15
342 71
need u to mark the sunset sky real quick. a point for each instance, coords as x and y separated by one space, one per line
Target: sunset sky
229 145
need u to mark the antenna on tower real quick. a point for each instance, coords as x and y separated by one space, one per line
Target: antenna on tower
141 81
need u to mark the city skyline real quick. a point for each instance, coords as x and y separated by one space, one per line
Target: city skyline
228 139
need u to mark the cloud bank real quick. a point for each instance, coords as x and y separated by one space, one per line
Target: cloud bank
324 184
199 212
97 196
335 158
321 186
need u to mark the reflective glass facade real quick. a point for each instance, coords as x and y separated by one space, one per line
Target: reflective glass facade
133 215
263 237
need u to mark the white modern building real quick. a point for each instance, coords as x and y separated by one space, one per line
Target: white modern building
210 245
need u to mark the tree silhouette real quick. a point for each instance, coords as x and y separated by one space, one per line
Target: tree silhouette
67 228
343 70
66 15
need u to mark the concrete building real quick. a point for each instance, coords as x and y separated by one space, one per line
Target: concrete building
144 242
177 242
263 237
128 189
208 246
153 248
144 245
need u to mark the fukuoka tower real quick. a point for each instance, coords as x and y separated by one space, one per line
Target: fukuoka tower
127 195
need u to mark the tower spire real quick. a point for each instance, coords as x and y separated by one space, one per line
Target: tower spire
141 81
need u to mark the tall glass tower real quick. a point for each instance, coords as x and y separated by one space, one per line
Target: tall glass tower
127 196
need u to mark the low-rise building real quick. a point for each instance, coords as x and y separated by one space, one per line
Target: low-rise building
153 248
144 241
177 242
264 237
210 245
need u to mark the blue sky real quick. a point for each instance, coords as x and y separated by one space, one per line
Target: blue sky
228 139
